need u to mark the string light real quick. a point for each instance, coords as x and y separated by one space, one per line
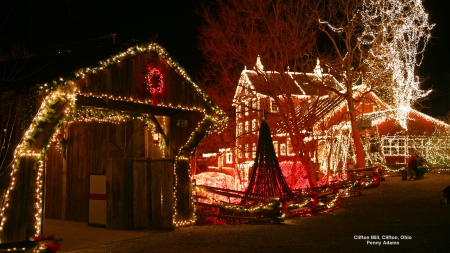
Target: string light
398 31
61 96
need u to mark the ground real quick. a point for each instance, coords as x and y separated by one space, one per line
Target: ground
397 208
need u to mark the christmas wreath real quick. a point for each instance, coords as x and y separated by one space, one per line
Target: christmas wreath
154 83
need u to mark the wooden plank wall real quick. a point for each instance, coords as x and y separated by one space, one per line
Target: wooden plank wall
141 193
119 194
19 223
54 182
84 156
153 193
90 147
139 190
161 198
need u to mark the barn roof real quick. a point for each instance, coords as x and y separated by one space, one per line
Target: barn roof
50 70
418 123
121 54
274 83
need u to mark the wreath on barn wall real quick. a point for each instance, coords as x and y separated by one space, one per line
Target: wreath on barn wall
154 83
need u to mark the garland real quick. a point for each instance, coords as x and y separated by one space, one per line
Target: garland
154 83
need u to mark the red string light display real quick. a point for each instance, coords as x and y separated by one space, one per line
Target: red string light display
154 83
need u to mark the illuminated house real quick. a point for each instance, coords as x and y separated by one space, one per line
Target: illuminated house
424 134
110 146
318 109
383 140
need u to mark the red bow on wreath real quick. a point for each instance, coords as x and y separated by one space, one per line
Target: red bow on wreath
153 81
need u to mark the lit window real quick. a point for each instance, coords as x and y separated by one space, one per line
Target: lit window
401 146
246 126
254 150
394 146
229 158
246 150
283 149
274 107
254 125
275 146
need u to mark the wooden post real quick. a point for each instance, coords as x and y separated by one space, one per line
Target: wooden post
20 220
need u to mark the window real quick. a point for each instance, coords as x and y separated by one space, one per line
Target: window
386 147
394 146
246 108
229 158
241 109
239 132
254 150
401 146
274 107
246 126
283 149
254 125
240 151
275 146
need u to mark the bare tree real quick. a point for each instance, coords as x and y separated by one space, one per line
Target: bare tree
283 34
375 44
367 45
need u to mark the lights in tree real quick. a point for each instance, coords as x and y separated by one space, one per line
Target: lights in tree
398 31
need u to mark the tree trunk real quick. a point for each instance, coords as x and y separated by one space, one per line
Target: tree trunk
308 165
311 173
329 159
360 160
293 172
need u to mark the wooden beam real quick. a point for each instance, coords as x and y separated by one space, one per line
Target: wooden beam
159 129
125 106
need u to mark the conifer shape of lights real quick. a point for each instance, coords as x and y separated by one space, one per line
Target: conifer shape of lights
154 83
266 178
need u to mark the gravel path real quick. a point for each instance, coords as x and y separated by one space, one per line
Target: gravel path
406 213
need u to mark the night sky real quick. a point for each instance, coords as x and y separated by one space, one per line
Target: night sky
436 65
60 24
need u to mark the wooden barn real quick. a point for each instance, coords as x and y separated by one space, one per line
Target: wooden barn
110 146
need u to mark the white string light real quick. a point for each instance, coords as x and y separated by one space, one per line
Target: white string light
398 32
